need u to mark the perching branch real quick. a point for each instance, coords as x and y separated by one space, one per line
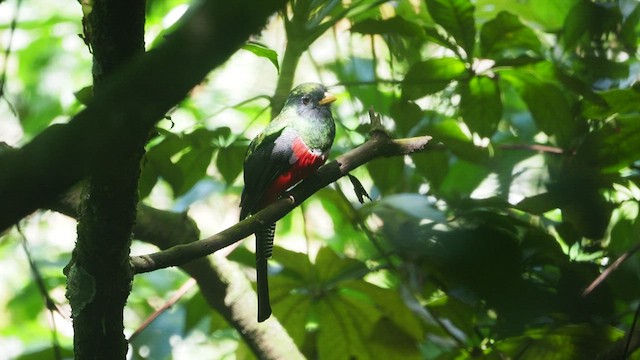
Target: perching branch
380 145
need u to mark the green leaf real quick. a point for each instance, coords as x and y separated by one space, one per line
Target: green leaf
406 115
630 30
296 265
460 313
546 102
404 38
193 152
398 331
157 163
549 15
437 37
332 269
430 76
196 310
345 309
37 112
386 173
576 23
393 26
388 341
506 37
25 305
581 88
344 328
230 161
404 205
203 137
456 17
625 228
393 307
541 203
360 69
481 104
587 21
463 177
451 135
567 342
540 247
193 167
601 67
46 353
433 165
589 213
623 101
612 147
263 51
292 308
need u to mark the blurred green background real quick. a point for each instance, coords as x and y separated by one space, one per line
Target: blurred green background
479 248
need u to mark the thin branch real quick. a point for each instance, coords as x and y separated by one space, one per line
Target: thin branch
49 304
37 276
57 350
378 146
615 265
188 285
533 147
7 53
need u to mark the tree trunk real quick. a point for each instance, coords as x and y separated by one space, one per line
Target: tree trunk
99 280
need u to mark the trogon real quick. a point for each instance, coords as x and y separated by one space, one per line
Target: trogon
290 148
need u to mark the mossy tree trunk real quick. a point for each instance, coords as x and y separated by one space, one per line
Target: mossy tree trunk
99 280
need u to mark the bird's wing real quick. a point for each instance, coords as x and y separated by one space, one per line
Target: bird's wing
269 155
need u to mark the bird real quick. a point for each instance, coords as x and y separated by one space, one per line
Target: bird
292 146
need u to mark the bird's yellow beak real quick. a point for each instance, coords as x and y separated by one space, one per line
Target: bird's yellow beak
327 99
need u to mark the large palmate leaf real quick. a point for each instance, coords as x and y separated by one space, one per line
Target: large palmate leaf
345 310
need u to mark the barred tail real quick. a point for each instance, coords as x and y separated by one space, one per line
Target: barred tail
264 248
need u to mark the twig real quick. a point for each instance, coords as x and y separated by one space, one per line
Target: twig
610 269
49 304
188 285
533 147
7 52
57 352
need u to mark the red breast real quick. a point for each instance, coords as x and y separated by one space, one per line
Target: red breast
306 163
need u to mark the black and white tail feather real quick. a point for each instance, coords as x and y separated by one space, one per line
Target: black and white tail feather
264 249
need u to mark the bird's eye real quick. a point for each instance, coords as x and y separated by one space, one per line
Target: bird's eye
306 100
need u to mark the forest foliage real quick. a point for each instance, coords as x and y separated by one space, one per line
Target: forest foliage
486 244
